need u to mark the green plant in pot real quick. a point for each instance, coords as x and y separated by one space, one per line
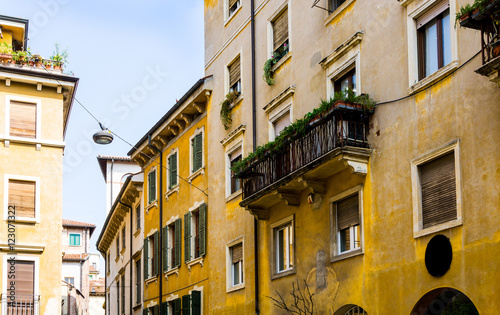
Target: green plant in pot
59 56
225 109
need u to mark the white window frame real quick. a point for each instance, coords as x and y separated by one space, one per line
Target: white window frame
37 181
228 17
331 15
38 102
229 266
230 151
270 45
274 228
351 59
335 253
153 169
418 230
172 152
20 257
203 148
416 9
276 114
69 238
239 54
170 244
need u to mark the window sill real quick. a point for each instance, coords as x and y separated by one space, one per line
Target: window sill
171 191
229 18
195 261
281 61
337 11
347 255
438 228
150 280
195 174
25 220
433 78
234 195
123 250
137 306
236 288
117 259
236 101
136 233
171 272
284 274
151 205
38 142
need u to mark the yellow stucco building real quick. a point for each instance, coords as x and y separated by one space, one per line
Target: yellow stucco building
34 110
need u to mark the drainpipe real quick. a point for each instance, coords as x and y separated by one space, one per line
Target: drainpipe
160 236
130 252
254 142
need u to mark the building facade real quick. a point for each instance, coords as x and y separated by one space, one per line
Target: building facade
34 108
377 210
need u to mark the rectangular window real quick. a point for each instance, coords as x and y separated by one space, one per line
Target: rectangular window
171 245
138 216
151 256
234 158
281 123
194 233
124 237
434 39
197 152
23 119
22 196
108 262
117 246
348 224
346 82
152 187
234 70
172 171
118 297
233 5
236 252
74 239
172 307
191 304
283 237
280 35
334 4
70 280
123 294
24 289
138 281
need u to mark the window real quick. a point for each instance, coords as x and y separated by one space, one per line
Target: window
117 246
124 237
196 152
233 5
194 233
172 307
154 310
118 296
138 282
74 239
152 186
70 280
236 253
23 119
191 304
171 245
280 43
334 4
150 256
346 82
172 170
108 262
23 197
435 182
284 247
281 123
434 39
235 183
25 274
123 294
138 216
234 70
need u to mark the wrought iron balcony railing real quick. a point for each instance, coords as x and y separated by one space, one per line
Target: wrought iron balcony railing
20 304
342 126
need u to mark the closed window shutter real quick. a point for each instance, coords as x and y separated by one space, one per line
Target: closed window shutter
203 228
280 29
152 186
237 253
173 170
196 303
164 248
25 277
197 152
155 260
186 305
232 3
432 13
439 194
22 119
177 306
22 197
156 309
145 311
178 235
164 308
187 237
234 72
146 258
348 212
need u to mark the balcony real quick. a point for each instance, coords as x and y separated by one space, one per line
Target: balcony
35 63
25 304
331 143
486 20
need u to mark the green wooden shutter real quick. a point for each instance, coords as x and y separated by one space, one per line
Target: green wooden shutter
186 304
146 258
173 176
197 144
156 309
187 237
151 186
164 249
202 225
177 307
164 308
178 242
145 311
155 260
196 302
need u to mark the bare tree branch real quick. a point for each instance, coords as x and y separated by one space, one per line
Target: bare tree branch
302 300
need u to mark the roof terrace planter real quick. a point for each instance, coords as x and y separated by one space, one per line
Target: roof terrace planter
331 138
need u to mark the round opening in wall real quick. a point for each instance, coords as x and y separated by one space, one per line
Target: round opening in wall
438 255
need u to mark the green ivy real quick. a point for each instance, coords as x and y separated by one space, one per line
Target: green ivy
225 109
299 126
459 307
268 73
468 8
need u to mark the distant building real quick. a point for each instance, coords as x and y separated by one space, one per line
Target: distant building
94 269
97 300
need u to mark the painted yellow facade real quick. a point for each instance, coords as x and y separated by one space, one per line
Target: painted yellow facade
36 160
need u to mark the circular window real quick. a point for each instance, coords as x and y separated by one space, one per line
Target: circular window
438 255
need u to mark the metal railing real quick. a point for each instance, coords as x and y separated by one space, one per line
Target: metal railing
20 304
341 127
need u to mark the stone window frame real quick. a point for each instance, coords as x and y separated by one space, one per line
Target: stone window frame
38 104
274 261
229 276
37 182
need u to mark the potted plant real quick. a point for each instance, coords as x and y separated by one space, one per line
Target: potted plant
59 57
47 64
38 60
225 109
5 52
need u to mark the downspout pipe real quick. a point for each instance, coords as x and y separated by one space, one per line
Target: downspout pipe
130 252
160 236
254 144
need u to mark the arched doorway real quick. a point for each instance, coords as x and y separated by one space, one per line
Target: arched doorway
351 309
444 301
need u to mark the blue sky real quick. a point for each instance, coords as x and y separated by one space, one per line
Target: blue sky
133 58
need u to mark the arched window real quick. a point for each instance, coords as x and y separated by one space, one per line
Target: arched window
355 310
444 301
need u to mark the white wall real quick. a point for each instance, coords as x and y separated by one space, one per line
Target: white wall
115 179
